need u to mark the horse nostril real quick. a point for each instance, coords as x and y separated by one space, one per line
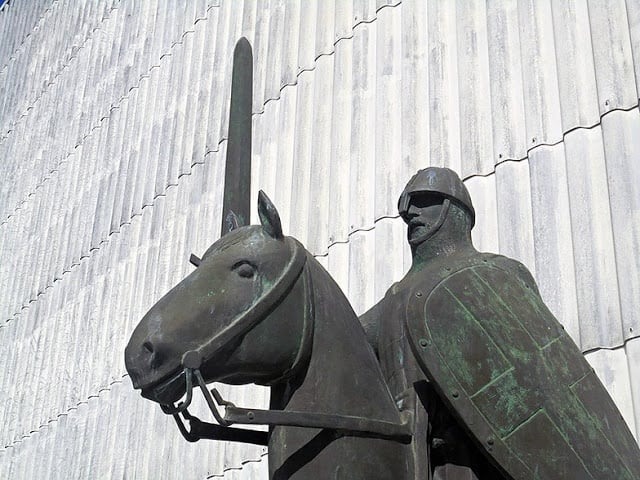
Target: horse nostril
148 346
154 357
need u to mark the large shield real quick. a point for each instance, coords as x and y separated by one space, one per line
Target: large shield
514 378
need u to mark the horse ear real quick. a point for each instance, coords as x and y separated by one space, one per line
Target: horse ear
232 221
269 216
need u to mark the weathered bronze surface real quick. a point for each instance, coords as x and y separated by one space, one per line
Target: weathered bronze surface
467 344
474 377
484 381
260 309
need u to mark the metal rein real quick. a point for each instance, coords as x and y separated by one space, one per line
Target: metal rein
203 430
342 425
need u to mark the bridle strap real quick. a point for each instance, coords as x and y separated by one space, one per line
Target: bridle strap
247 320
307 329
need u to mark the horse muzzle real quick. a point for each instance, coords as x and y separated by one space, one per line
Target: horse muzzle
160 381
168 391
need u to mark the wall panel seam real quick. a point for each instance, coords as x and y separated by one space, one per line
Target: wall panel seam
559 142
26 110
326 54
116 104
245 462
325 253
67 412
282 87
67 269
612 348
13 54
56 167
480 175
98 125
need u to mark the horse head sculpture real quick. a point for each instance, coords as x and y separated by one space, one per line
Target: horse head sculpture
260 309
238 281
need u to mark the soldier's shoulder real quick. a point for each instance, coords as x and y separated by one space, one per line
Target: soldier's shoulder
389 294
501 261
370 320
512 267
506 263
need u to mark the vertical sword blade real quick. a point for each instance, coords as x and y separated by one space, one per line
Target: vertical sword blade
237 181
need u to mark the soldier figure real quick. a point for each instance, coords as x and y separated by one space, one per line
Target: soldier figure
497 389
437 209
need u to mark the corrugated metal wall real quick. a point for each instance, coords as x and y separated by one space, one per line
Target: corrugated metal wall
112 137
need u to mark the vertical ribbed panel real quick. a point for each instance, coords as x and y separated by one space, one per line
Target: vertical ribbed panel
113 125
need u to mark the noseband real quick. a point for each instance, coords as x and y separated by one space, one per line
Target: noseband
193 359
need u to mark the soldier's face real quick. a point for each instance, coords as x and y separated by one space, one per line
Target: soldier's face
423 214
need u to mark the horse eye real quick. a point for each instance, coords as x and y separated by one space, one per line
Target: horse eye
244 269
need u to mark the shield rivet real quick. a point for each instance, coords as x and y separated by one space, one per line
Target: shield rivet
418 294
448 269
423 342
490 441
455 394
250 415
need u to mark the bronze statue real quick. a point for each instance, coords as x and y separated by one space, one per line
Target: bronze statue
485 382
476 378
497 388
260 309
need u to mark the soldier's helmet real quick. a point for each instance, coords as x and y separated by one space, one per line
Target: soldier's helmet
439 181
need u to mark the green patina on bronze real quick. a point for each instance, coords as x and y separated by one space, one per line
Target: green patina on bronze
509 372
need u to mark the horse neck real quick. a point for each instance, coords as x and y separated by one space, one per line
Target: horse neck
342 375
